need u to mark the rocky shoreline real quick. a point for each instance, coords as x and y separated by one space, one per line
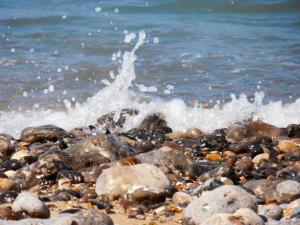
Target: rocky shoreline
245 174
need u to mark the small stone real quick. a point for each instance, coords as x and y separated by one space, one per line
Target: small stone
182 199
20 154
10 173
244 164
193 133
5 184
261 157
289 146
225 199
213 156
31 205
6 148
176 135
258 187
272 211
74 177
42 134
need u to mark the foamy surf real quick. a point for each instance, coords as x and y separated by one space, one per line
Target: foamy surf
118 95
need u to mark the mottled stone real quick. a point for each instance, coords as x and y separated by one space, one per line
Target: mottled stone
167 157
258 187
182 199
242 216
42 134
96 150
225 199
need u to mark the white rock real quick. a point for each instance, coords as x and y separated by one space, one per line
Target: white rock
30 204
117 180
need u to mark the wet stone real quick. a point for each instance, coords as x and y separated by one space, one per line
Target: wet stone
6 147
152 121
8 197
293 131
42 134
289 173
258 187
167 157
115 119
97 150
31 205
244 164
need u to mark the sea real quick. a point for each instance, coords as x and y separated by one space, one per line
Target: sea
200 63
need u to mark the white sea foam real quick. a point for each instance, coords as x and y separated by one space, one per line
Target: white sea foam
118 95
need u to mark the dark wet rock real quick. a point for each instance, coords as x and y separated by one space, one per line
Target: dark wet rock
30 205
240 217
45 168
289 173
258 187
97 150
272 211
8 197
115 181
42 134
82 217
38 149
237 132
293 131
10 165
144 146
6 146
223 170
225 199
213 142
62 195
87 191
265 169
201 167
244 164
167 157
283 192
101 204
111 120
152 121
74 177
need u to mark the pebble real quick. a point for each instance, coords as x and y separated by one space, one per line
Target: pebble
31 205
182 199
261 157
272 211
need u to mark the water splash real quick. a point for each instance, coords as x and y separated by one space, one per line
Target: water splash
118 95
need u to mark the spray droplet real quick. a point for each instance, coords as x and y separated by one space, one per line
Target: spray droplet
51 88
97 9
13 50
155 40
25 94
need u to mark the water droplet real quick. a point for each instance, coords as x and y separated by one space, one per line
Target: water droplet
155 40
97 9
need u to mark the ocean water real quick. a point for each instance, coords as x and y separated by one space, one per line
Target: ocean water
69 62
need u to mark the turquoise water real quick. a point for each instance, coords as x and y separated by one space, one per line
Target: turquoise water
203 51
